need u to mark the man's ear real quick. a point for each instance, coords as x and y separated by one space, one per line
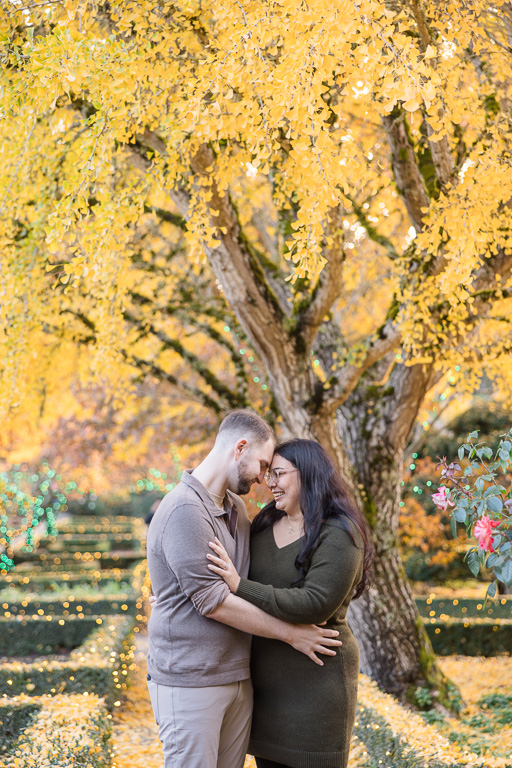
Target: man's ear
240 447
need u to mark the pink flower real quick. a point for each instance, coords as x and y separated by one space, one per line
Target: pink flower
483 532
440 498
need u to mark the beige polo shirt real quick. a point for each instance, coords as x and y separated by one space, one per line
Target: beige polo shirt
185 647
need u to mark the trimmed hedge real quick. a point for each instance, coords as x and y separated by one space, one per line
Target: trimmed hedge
103 520
98 665
68 730
106 560
38 580
15 716
473 637
54 583
77 528
95 605
463 608
25 635
84 543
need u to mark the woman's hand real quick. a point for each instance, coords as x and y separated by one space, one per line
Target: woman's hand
312 639
222 565
152 600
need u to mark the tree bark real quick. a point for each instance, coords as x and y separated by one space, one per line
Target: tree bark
375 425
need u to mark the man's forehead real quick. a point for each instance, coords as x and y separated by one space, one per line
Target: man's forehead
266 451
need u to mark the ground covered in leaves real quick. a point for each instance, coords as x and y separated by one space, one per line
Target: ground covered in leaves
485 725
135 735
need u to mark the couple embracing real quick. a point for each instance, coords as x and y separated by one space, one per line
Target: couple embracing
285 582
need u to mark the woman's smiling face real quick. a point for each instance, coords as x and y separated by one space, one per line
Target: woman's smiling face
285 485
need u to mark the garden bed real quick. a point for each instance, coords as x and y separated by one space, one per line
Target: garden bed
67 605
100 665
464 607
43 635
470 637
120 559
396 737
69 621
56 732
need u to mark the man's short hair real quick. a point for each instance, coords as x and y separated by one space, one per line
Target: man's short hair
246 422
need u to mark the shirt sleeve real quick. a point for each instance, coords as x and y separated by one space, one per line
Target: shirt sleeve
333 574
185 546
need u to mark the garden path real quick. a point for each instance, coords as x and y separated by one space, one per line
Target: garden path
135 736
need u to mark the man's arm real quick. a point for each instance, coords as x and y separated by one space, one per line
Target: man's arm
306 638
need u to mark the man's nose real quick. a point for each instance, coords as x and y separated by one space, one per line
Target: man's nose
261 477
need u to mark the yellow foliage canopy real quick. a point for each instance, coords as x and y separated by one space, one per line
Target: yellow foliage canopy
370 139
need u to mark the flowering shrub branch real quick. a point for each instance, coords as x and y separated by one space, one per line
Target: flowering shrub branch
478 501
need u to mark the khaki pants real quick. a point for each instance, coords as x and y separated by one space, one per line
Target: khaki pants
203 727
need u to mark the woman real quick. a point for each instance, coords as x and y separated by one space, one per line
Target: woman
310 555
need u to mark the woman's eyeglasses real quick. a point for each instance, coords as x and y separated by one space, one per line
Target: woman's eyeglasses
273 475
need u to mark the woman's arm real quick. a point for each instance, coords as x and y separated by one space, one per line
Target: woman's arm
332 576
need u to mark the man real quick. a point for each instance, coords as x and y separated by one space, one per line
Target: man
199 633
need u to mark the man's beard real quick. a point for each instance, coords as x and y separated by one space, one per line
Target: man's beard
243 482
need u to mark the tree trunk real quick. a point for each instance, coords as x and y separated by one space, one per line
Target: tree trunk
367 440
375 424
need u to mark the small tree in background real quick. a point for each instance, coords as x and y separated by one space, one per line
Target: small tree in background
430 550
477 491
29 497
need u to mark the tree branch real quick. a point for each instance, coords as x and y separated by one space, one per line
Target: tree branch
377 346
372 231
232 399
408 178
311 315
158 373
440 150
163 215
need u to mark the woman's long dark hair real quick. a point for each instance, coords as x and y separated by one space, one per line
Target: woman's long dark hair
323 496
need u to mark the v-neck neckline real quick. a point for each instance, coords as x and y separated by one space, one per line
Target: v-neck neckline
285 545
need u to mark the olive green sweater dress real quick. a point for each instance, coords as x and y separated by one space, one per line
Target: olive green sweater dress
303 713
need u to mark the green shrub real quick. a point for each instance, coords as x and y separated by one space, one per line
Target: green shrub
68 730
499 705
432 716
465 607
97 665
474 637
15 716
23 636
495 701
88 605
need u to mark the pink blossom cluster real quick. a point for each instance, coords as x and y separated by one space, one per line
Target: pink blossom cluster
483 532
441 499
